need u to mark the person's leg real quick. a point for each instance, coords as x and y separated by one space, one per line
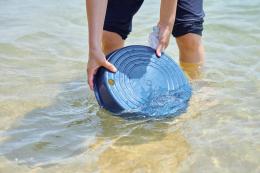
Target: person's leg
111 41
187 30
191 54
118 23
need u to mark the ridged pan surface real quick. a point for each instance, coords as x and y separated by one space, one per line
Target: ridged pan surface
144 85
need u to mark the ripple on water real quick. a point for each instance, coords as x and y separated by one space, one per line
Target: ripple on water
48 135
53 119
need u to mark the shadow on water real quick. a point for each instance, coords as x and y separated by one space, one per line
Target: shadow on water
53 133
74 125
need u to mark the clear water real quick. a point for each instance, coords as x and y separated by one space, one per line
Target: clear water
161 104
50 121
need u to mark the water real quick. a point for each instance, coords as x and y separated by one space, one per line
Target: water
161 104
50 121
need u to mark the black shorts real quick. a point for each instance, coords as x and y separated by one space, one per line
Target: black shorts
119 15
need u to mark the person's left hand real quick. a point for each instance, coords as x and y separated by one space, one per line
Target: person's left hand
165 32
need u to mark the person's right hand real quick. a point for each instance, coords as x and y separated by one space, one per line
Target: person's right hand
96 60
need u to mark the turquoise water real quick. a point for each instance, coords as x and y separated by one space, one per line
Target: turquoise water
50 121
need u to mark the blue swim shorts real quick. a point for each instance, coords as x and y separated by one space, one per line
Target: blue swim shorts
119 15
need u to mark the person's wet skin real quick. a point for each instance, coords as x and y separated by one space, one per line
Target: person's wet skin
192 70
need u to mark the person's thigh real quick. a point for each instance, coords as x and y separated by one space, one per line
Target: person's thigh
119 16
118 23
189 18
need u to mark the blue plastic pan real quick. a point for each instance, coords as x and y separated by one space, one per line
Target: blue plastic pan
144 84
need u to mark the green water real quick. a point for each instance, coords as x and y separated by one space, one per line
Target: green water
50 121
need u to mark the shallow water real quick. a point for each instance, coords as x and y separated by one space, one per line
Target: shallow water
50 121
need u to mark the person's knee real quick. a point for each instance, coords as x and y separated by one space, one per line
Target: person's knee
189 43
111 41
190 48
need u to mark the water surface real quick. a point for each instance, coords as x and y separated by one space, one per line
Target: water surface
50 121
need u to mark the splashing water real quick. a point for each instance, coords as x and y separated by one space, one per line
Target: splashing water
162 104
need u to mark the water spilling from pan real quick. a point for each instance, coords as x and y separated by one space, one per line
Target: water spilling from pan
51 122
162 104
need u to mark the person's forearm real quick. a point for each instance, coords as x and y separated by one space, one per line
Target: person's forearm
168 12
96 11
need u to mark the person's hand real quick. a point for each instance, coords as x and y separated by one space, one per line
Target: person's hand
165 32
96 60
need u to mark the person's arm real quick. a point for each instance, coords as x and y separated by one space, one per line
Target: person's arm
166 22
96 10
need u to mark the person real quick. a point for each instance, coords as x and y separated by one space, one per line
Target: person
110 22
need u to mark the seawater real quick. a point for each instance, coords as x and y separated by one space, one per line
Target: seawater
51 122
161 104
